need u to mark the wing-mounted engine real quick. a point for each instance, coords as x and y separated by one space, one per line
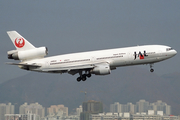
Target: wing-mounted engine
101 69
28 54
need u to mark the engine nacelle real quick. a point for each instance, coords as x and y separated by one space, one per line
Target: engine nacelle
103 69
28 54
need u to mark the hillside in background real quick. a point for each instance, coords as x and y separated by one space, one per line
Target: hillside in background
127 84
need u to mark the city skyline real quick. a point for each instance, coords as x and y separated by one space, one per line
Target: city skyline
91 110
120 108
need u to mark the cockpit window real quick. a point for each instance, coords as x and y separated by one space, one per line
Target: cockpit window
168 49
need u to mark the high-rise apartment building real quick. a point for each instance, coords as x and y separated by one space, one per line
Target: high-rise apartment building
22 108
162 106
33 108
115 108
54 109
79 110
142 106
10 108
2 111
130 108
93 107
122 108
6 109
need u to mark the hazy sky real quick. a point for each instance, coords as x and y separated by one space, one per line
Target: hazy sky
66 26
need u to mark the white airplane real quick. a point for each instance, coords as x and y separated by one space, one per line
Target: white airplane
99 62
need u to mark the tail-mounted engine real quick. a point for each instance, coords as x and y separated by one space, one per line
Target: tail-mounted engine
28 54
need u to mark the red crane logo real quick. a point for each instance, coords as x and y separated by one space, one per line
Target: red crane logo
19 42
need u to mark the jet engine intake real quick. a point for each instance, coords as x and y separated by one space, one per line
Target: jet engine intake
102 69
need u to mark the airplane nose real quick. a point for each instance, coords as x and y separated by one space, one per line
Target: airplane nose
171 53
175 52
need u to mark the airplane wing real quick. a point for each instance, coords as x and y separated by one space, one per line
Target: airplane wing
73 69
22 64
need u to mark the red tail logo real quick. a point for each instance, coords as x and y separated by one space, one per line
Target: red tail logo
19 42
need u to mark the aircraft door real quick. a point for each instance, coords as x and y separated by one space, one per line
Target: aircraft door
46 64
130 58
93 58
159 54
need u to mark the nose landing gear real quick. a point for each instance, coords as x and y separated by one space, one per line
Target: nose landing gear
151 66
151 70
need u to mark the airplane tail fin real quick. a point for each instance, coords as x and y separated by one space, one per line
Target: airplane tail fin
19 41
24 49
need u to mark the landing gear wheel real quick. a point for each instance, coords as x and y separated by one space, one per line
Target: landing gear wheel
151 66
79 79
152 70
84 77
88 75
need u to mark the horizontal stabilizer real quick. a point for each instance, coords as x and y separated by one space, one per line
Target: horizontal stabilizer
27 65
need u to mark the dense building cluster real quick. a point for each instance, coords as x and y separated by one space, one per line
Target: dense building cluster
90 110
140 107
33 108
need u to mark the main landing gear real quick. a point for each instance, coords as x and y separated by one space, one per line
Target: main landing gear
151 66
83 77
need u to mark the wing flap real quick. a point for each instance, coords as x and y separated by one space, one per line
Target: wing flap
70 68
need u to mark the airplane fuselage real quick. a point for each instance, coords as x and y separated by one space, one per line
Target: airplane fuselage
147 54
